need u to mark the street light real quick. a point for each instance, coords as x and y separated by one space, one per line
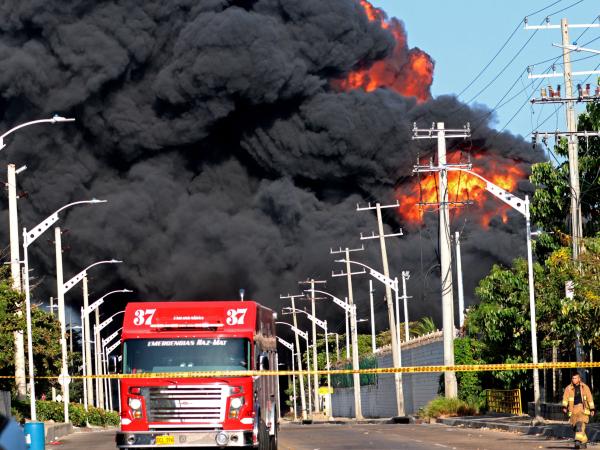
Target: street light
63 288
393 284
54 119
87 310
290 347
108 403
521 206
303 334
323 325
14 248
28 238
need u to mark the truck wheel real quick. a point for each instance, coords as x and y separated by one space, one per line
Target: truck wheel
263 436
273 440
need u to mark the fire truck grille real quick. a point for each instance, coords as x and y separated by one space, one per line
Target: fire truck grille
186 404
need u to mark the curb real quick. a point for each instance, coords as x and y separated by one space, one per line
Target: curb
55 431
563 431
388 420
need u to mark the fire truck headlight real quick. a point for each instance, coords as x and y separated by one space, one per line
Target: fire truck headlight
237 402
135 403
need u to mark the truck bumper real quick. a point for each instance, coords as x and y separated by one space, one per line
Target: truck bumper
182 439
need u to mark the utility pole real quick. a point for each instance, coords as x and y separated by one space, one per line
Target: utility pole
312 283
394 331
15 272
405 278
373 343
441 134
568 74
353 330
347 330
298 352
461 295
89 382
61 315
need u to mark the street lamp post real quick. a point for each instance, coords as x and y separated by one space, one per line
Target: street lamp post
393 284
15 258
63 288
28 238
521 206
290 347
108 403
87 310
303 334
323 325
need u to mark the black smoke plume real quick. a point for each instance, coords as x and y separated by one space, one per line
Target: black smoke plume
227 158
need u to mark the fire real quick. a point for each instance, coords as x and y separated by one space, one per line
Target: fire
463 187
407 72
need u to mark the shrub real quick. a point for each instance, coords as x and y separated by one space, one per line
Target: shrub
443 407
49 410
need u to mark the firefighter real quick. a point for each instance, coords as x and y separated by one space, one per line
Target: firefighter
579 405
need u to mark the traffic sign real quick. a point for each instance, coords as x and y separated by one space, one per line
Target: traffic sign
64 379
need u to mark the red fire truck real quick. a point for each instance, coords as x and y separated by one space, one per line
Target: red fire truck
197 336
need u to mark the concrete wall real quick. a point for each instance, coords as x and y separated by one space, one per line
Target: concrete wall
379 400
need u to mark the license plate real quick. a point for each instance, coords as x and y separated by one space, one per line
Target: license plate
165 440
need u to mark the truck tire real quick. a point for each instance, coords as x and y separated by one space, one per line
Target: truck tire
263 436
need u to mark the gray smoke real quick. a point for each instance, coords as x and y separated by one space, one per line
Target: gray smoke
227 158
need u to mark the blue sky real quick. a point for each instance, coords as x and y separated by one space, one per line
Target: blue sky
463 35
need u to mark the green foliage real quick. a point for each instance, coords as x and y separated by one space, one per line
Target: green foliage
347 380
424 326
551 202
54 411
469 383
444 407
45 331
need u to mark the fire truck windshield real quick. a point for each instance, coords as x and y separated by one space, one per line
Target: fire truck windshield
185 355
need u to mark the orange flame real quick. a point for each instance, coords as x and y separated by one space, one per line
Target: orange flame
463 187
407 72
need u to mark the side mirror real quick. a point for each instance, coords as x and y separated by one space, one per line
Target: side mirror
264 362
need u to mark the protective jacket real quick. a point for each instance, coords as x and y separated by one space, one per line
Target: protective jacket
587 402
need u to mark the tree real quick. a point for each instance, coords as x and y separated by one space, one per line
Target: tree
550 207
45 332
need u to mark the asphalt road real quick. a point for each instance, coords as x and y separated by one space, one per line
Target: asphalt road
380 437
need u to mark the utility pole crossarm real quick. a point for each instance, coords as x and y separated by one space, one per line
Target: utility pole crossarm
576 48
110 349
549 26
285 343
432 133
376 236
508 198
561 74
110 338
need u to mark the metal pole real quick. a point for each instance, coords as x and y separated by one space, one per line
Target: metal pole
347 332
405 277
576 225
397 300
373 343
459 280
32 406
337 347
534 352
15 272
309 394
294 386
451 390
61 317
329 405
106 381
393 329
278 394
299 356
353 331
314 339
99 370
89 382
83 357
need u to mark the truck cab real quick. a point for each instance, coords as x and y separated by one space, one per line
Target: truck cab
185 381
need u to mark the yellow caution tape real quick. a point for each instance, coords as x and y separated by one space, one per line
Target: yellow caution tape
375 371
